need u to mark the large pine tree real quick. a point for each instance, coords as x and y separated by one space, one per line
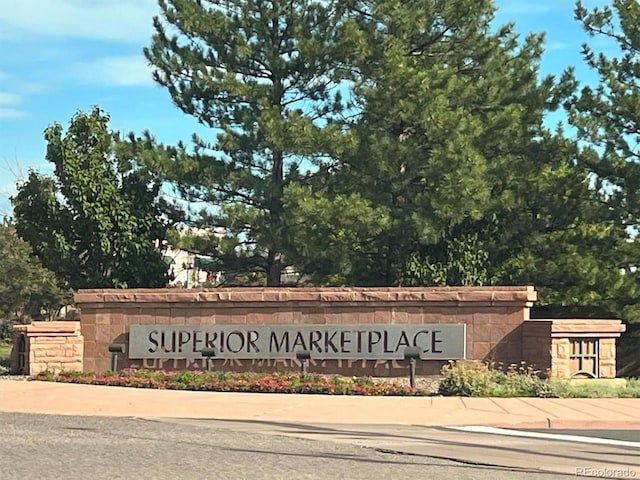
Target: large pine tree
607 119
264 75
607 116
448 108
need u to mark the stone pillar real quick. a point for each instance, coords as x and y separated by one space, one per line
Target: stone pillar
560 358
573 346
53 346
536 346
576 345
607 356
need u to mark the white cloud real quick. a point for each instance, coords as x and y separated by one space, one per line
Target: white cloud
124 71
12 113
549 46
33 87
9 98
7 102
119 20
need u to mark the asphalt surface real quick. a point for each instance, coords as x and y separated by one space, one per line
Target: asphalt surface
549 452
52 431
45 447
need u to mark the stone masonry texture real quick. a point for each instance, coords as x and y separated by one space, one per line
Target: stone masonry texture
53 346
493 316
498 328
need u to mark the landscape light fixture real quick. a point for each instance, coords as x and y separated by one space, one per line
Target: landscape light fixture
115 349
208 354
303 356
412 354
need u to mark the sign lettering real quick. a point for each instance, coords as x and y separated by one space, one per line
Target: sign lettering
363 342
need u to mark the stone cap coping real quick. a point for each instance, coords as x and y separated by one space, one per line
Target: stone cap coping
524 296
582 327
50 329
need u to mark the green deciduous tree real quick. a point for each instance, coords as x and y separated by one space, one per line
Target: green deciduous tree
27 289
97 222
263 75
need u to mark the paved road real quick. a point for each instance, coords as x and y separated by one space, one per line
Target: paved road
301 436
66 447
551 453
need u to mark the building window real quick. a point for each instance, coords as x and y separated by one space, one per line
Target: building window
584 357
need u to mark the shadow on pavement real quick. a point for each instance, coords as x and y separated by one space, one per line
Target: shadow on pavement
578 454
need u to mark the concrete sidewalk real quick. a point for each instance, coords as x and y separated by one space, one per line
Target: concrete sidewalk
68 399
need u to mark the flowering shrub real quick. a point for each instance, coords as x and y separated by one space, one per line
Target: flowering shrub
463 378
235 382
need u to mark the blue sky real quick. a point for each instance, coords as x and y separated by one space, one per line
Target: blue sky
58 56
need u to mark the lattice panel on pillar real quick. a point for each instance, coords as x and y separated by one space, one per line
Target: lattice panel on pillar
584 357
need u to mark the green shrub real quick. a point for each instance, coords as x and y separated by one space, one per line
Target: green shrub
468 379
633 388
523 381
5 362
477 379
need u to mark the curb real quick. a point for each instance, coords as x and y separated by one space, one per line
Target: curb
562 424
573 436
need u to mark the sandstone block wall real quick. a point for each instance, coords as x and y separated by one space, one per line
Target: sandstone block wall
53 346
536 344
494 318
557 346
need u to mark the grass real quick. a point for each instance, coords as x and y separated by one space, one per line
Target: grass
585 390
5 349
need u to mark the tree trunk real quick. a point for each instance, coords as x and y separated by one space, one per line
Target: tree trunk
274 269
